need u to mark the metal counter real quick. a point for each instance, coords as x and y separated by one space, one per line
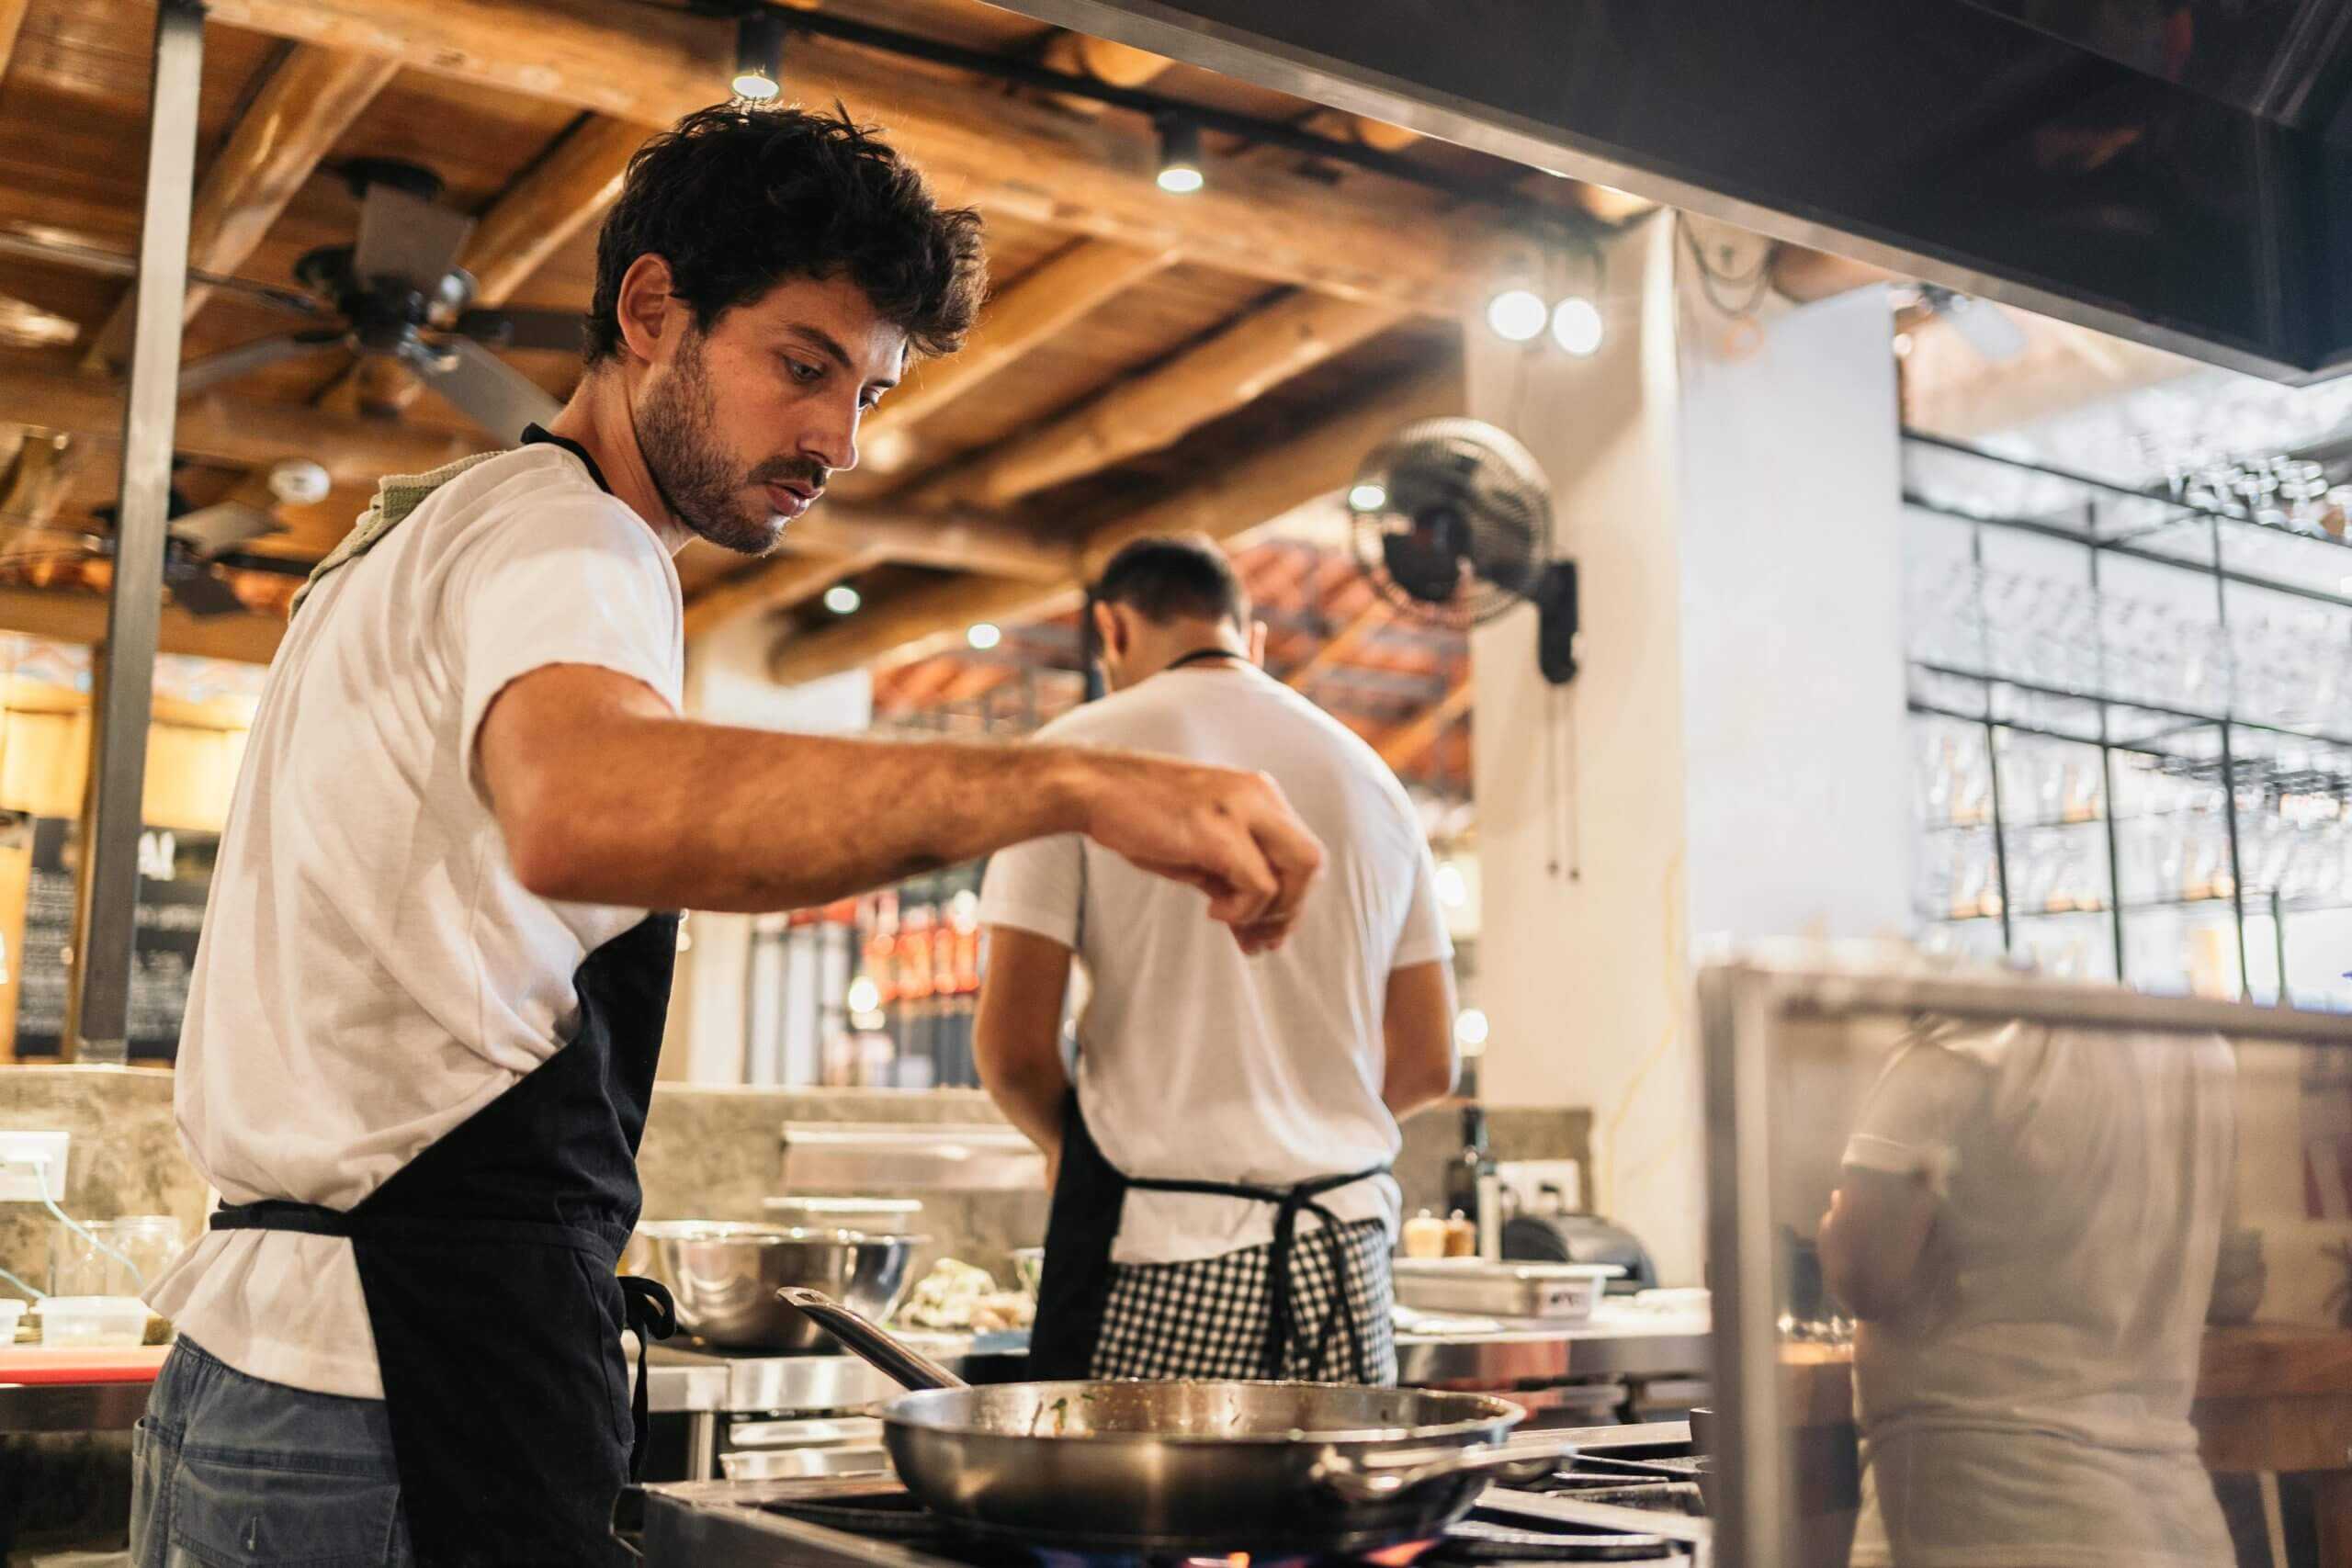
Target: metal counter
1619 1345
1615 1345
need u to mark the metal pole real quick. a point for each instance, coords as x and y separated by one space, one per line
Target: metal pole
118 737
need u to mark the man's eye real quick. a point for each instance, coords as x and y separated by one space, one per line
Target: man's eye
803 372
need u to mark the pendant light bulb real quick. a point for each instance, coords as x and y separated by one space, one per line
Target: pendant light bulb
1180 157
983 636
1516 315
759 56
1577 326
843 600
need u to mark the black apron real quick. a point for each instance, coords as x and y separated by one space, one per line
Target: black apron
490 1263
1089 1195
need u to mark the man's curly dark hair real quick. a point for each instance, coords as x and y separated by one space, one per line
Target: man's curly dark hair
738 201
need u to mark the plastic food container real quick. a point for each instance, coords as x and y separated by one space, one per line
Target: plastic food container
103 1321
12 1312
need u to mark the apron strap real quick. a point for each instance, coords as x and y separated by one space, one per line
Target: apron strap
647 1310
1282 1307
650 1313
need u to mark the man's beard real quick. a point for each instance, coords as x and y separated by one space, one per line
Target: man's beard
676 434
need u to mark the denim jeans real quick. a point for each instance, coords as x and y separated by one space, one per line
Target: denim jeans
229 1472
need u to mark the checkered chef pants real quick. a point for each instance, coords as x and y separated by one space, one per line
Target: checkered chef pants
1208 1318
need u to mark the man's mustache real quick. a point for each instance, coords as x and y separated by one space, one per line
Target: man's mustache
789 470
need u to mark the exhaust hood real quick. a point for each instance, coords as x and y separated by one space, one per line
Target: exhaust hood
2178 172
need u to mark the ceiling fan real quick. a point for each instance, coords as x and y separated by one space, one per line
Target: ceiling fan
397 294
196 542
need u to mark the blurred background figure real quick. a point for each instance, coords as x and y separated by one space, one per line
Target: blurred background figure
2027 1227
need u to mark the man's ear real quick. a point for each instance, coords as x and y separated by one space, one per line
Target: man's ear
647 309
1110 632
1257 643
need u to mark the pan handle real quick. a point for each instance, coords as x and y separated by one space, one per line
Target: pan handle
869 1341
1375 1477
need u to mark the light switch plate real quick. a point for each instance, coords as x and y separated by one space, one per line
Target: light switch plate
21 1183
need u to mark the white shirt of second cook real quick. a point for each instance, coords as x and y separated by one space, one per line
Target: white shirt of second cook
1196 1062
371 973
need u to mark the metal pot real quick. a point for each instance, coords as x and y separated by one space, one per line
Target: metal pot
1188 1468
725 1277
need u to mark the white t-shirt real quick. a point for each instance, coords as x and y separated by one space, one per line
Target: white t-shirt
1195 1062
2049 1348
371 973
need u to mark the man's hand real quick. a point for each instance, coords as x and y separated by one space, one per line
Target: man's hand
1230 834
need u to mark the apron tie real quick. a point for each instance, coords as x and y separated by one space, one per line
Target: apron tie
649 1312
1282 1305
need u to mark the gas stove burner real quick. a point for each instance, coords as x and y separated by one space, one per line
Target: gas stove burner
1478 1543
1661 1497
881 1516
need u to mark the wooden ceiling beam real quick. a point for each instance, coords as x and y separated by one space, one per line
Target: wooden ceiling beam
1038 305
1240 497
64 616
1404 747
955 542
310 100
838 540
1002 153
251 432
1224 372
12 24
770 586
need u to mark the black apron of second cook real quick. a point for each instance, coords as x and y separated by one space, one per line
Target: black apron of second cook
489 1263
1089 1195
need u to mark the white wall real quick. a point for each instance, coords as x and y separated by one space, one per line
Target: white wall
1792 699
1731 758
727 682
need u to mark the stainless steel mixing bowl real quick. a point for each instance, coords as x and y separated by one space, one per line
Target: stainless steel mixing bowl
726 1276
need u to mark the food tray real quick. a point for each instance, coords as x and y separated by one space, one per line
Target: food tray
1556 1293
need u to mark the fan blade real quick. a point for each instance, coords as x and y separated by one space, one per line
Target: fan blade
556 330
404 237
113 263
204 594
214 368
1992 332
492 393
211 530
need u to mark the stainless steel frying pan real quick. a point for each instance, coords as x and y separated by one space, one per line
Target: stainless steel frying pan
1191 1468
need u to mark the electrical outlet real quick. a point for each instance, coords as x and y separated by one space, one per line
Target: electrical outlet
21 1183
1529 1178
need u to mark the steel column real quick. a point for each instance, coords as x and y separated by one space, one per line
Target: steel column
118 737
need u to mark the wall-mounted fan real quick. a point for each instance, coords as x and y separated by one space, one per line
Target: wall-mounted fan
398 293
1454 525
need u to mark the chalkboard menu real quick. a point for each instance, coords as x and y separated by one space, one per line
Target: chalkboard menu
174 874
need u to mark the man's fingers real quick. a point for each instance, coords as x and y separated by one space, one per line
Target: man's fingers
1232 857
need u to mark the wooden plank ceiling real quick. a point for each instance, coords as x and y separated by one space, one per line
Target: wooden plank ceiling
1146 360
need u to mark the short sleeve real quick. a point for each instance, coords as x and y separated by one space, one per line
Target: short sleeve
563 580
1423 939
1911 1123
1036 886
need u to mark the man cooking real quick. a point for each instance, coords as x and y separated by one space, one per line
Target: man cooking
1221 1202
423 1028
